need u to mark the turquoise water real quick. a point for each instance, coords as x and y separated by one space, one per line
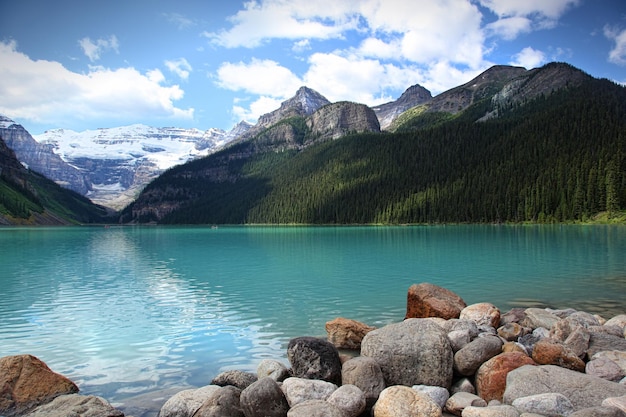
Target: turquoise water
128 311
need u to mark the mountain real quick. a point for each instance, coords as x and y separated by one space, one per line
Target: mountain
28 198
111 165
545 145
413 96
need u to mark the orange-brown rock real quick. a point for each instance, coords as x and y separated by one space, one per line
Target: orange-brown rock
491 376
346 333
26 382
429 300
550 352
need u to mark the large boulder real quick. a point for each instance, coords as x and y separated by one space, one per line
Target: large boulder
314 358
264 398
599 342
365 373
224 402
26 382
401 401
239 379
550 352
77 405
429 300
185 403
582 390
471 356
349 399
539 317
346 333
491 376
273 369
413 352
298 390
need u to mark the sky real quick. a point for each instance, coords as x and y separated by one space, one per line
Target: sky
203 64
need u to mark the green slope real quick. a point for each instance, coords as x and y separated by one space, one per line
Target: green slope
556 158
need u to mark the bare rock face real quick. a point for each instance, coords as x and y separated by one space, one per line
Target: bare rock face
429 300
26 382
413 96
339 119
304 103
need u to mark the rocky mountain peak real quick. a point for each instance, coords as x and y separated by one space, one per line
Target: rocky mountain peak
304 103
412 96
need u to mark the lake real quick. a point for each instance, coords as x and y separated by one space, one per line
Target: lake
132 311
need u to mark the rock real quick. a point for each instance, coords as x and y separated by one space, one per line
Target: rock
514 347
548 404
462 324
413 352
349 399
338 119
511 331
402 401
538 317
550 352
459 401
237 379
604 368
616 402
438 394
491 376
490 411
612 330
187 402
514 315
470 357
528 342
598 412
458 339
298 390
429 300
346 333
463 385
484 314
582 390
578 341
264 398
599 342
365 373
26 382
619 320
76 405
224 402
315 408
273 369
616 356
314 358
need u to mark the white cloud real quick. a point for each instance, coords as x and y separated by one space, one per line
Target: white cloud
93 50
258 107
517 17
617 55
180 67
529 58
262 77
179 20
47 92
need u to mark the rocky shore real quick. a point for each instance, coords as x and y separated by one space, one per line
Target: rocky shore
445 358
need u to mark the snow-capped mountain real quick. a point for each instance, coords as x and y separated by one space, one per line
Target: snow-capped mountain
111 165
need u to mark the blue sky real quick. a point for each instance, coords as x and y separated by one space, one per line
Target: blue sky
81 65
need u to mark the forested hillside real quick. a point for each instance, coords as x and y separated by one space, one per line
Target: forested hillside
558 157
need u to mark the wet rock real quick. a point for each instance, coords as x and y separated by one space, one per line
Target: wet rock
264 398
314 358
459 401
582 390
298 390
429 300
224 402
365 373
484 314
402 401
491 376
349 399
239 379
26 382
77 405
413 352
548 404
491 411
187 402
315 408
538 317
470 357
346 333
273 369
550 352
